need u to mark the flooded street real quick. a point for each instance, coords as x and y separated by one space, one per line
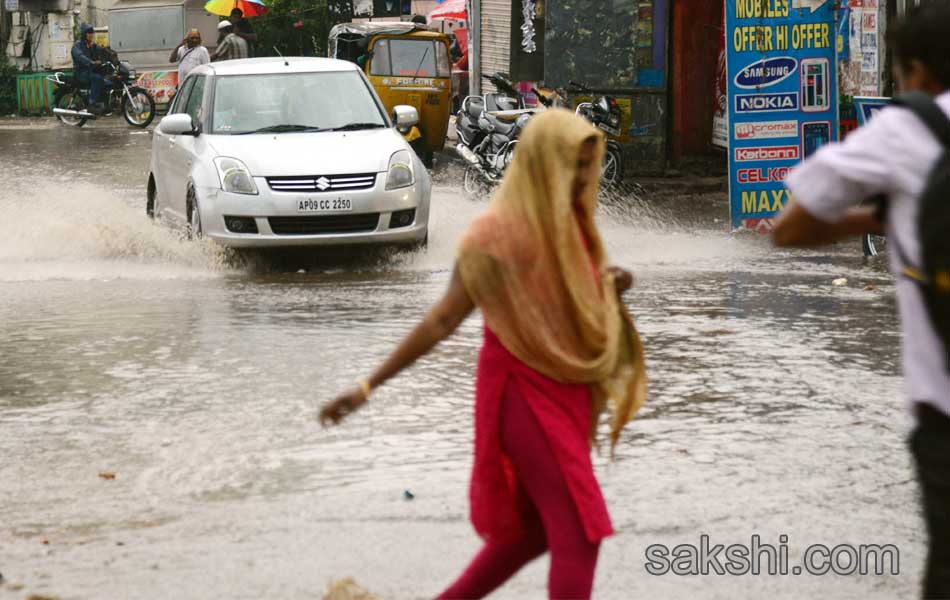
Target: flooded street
195 379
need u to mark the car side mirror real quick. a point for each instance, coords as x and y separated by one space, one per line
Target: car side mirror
177 124
405 117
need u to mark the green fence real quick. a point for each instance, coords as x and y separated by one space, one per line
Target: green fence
34 93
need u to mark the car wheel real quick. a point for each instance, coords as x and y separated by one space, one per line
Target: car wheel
150 198
421 244
195 232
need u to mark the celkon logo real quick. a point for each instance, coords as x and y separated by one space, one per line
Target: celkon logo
768 153
774 175
746 103
766 130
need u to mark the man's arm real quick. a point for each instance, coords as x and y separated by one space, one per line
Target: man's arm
827 188
221 50
799 228
80 57
173 57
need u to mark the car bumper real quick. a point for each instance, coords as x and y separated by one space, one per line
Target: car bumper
268 207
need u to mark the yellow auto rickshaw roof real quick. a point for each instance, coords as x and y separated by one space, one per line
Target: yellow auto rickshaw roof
369 29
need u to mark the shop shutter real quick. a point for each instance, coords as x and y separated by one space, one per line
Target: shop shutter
496 39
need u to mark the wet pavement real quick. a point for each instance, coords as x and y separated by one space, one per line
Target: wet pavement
195 379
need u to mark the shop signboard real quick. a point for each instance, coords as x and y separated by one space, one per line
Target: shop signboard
161 84
783 98
866 106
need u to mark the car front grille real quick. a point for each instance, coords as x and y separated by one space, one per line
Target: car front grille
324 224
322 183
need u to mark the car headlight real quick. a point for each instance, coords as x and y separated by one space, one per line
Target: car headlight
400 173
234 176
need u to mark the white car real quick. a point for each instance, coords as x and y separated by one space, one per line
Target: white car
274 152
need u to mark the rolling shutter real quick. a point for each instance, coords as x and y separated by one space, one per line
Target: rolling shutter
495 39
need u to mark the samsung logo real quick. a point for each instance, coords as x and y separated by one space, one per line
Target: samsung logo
766 72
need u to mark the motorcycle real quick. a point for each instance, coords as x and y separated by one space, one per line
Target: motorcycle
71 98
487 142
603 113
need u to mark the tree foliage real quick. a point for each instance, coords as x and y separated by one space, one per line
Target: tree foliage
8 73
293 28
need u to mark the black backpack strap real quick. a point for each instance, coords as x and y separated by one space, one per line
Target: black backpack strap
929 112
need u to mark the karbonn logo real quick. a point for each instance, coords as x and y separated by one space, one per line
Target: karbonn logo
766 102
766 129
769 153
773 175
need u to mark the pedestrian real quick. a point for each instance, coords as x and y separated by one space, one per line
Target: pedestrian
895 156
243 29
230 45
189 53
86 58
557 343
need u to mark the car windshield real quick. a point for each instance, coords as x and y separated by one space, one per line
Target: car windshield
408 58
293 103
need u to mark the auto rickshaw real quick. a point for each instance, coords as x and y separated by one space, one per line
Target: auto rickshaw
407 64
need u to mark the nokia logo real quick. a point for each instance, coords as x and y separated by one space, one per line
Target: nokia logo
747 103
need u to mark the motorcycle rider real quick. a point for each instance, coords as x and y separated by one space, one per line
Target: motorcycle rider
85 60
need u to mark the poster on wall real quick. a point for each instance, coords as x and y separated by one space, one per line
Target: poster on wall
160 84
783 98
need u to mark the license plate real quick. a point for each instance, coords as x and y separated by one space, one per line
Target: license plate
324 204
611 130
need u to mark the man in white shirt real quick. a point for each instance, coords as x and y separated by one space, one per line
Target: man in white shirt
894 155
189 54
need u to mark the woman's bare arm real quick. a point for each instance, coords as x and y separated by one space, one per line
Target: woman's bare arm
439 323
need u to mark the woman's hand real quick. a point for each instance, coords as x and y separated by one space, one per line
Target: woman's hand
623 279
333 412
441 320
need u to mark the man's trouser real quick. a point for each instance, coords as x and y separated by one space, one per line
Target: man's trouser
930 444
95 82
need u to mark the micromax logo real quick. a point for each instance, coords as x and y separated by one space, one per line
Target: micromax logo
766 129
769 153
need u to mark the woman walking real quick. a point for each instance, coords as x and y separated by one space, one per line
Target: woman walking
558 348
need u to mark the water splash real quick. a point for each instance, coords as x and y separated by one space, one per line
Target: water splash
82 232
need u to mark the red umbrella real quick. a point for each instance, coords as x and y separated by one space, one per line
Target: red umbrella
450 9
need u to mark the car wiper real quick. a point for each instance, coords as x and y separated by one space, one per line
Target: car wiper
355 126
283 128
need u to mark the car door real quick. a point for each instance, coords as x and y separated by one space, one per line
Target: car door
181 152
167 179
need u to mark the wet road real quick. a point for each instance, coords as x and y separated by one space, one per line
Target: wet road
775 402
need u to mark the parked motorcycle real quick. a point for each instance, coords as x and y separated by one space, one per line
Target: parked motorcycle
487 142
603 113
71 98
466 121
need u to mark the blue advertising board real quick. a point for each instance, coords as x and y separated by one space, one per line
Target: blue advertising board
866 106
783 98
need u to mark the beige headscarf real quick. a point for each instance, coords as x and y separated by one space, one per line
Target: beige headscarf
525 265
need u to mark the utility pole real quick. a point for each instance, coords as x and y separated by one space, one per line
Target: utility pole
3 27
